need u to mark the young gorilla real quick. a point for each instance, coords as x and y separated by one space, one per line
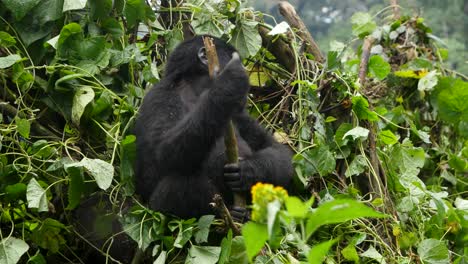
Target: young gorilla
181 160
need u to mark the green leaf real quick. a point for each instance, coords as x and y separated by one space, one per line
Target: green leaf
73 4
144 232
127 158
340 132
350 253
457 163
387 137
11 250
238 251
338 211
372 253
198 254
9 60
16 191
226 244
37 259
204 224
135 10
100 10
6 40
246 38
48 235
322 160
272 208
378 67
100 170
207 24
362 24
297 208
255 235
20 8
357 166
428 82
183 236
357 133
361 108
36 196
113 27
161 258
23 126
75 186
69 40
83 96
451 97
318 252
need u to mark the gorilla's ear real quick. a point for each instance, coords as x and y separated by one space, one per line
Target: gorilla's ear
202 56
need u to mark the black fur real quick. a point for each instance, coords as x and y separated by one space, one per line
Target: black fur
180 128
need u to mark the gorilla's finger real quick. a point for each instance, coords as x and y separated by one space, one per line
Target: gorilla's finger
231 177
231 167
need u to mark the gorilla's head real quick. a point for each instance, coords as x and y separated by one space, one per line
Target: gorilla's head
189 58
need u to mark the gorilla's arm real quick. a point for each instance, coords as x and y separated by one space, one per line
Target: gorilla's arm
271 161
185 145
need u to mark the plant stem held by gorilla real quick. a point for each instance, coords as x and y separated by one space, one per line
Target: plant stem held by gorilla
230 140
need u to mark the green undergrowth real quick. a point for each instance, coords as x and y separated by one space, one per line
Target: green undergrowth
381 163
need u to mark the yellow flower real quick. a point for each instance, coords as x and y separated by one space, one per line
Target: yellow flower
262 195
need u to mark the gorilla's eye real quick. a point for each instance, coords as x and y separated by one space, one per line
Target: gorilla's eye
202 55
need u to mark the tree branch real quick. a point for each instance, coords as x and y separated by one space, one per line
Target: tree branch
289 13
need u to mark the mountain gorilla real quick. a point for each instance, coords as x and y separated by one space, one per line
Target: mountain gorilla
181 161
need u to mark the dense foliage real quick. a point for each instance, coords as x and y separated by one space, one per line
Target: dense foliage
381 159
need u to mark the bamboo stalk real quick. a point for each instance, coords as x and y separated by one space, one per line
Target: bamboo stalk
230 140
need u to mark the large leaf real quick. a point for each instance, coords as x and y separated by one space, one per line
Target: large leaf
75 186
321 160
361 108
83 96
73 4
357 166
226 245
206 24
144 232
372 253
69 40
100 170
318 252
135 10
357 133
238 251
20 8
362 24
23 126
297 208
433 251
204 224
48 236
451 97
378 67
11 250
255 235
338 211
246 38
36 196
198 254
9 60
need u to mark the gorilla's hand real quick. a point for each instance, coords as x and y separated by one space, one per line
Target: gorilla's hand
239 176
240 214
234 82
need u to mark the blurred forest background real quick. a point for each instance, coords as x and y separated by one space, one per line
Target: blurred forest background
328 20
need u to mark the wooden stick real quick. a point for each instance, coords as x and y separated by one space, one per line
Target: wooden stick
289 13
230 140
